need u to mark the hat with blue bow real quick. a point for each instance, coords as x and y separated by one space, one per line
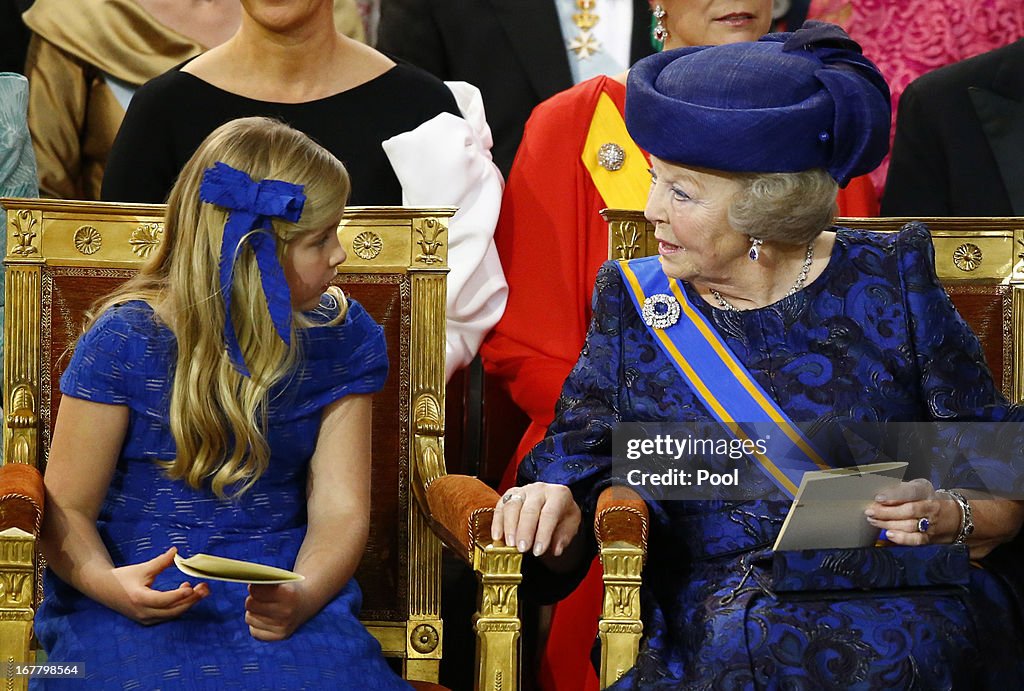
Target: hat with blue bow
788 102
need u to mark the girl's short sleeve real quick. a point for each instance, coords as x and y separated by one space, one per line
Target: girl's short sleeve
348 358
107 359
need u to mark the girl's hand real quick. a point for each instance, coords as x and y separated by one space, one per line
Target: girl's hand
138 601
539 517
274 612
902 511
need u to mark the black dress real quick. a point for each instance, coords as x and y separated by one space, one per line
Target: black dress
171 115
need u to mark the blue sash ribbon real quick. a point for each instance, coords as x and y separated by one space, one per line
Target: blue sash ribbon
722 383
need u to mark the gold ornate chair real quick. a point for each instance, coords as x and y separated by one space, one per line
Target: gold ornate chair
980 262
63 255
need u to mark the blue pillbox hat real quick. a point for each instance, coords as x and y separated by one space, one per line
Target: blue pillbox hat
785 103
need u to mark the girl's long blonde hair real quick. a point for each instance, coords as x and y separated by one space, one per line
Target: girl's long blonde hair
217 415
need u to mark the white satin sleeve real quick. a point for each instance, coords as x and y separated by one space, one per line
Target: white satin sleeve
446 161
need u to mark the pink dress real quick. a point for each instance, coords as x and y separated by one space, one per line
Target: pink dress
907 38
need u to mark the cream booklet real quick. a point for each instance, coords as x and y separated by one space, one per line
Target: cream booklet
209 567
828 510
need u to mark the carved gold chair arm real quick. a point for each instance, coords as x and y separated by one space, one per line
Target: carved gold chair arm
21 513
461 508
620 526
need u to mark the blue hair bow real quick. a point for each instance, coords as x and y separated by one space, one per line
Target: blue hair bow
251 206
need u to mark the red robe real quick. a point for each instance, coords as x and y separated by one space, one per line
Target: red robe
552 240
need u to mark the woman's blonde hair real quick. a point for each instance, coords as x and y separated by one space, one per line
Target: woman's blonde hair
217 415
791 208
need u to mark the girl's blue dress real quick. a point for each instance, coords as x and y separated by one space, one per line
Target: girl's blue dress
872 340
127 358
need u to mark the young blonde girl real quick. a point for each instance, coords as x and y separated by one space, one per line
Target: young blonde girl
219 403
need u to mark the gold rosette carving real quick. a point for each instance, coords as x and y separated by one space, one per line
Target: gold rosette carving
367 245
424 638
967 257
88 240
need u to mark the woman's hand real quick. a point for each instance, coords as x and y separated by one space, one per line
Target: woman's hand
274 612
539 517
902 511
138 601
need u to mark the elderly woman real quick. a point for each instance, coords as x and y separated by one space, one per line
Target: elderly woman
823 324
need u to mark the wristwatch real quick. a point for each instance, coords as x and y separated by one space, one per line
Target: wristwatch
966 515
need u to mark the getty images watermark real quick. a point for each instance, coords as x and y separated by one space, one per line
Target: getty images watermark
688 461
669 447
701 460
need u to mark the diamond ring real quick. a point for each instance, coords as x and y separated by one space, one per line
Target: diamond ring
512 497
923 524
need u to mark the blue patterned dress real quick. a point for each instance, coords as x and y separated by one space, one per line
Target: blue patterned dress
127 358
874 338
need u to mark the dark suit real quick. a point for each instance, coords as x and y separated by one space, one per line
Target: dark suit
512 50
959 148
14 35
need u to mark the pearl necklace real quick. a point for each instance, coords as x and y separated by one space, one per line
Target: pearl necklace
805 269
